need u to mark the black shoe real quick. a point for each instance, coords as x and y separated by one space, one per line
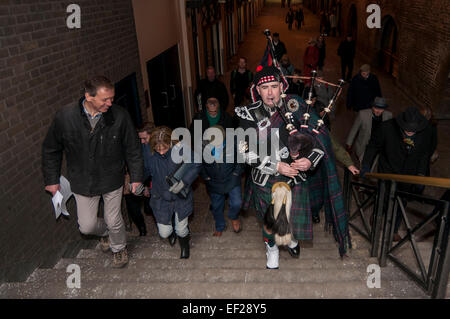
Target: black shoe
294 252
172 238
316 219
184 244
142 230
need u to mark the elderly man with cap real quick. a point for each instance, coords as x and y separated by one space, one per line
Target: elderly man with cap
363 89
274 163
367 121
404 146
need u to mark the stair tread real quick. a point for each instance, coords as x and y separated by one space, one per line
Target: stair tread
174 252
215 275
348 289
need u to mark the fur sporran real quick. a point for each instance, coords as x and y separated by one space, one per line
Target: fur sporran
278 213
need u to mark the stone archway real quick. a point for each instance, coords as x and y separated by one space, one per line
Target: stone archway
352 22
388 55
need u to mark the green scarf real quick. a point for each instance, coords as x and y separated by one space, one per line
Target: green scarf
213 120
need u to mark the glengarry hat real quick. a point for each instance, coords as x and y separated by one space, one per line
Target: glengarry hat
379 103
411 120
267 74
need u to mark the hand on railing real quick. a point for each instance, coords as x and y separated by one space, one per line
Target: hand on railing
363 171
353 169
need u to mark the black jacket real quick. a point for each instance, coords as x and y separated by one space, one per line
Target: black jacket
347 50
95 159
280 49
212 89
394 155
362 92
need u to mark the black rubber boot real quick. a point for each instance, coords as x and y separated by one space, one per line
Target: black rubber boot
184 244
172 238
142 230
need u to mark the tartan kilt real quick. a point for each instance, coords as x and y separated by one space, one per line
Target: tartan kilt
260 198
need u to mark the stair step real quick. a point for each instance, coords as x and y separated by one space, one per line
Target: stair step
215 275
216 243
347 289
230 238
140 265
174 252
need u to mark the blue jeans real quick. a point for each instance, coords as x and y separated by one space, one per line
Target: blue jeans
218 205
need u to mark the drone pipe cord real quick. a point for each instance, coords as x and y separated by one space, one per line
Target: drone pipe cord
289 122
309 78
331 104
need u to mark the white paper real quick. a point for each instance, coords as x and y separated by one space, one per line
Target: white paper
60 198
57 201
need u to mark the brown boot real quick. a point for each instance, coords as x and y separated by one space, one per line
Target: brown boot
120 259
104 244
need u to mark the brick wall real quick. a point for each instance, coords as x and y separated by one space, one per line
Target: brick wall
42 68
423 45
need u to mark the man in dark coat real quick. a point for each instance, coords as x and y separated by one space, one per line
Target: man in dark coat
363 89
279 46
240 81
211 86
98 138
404 146
346 51
299 17
290 18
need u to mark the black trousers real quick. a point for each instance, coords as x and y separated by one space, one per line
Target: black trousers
134 209
346 64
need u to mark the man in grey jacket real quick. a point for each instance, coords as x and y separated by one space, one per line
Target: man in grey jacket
366 122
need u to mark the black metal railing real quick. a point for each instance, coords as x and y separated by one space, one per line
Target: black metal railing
387 203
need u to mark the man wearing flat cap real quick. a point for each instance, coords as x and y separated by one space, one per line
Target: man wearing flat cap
363 89
273 163
404 146
367 121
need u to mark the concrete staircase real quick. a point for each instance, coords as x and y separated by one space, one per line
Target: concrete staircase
231 266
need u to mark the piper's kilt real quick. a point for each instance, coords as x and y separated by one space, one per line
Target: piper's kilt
260 198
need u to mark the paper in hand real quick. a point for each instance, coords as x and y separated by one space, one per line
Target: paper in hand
61 197
57 201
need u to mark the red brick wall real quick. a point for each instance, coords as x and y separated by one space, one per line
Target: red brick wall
423 45
43 65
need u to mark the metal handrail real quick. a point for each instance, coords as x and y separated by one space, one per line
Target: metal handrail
388 200
411 179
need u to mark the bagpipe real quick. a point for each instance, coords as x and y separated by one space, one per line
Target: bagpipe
291 124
